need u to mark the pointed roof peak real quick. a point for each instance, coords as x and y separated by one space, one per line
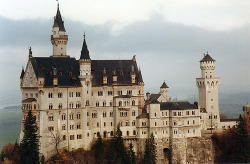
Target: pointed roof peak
164 85
85 51
207 57
58 22
22 73
30 53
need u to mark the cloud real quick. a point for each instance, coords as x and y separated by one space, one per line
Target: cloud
223 15
165 50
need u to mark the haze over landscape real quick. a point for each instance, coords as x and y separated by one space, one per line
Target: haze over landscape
167 37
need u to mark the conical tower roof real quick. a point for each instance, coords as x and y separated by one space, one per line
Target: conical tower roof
22 74
58 22
207 57
85 51
164 85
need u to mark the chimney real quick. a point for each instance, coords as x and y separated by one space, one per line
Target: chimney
148 95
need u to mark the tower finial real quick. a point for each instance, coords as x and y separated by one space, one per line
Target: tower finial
30 52
84 35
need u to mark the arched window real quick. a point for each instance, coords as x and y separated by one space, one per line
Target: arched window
133 123
104 103
64 127
71 116
60 95
50 95
50 106
133 113
60 106
63 116
51 117
64 137
127 133
71 105
78 105
120 103
78 116
134 132
97 104
87 102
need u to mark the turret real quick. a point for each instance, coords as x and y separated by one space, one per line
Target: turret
59 39
207 65
164 90
21 77
85 61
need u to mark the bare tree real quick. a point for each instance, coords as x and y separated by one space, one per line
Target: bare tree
56 140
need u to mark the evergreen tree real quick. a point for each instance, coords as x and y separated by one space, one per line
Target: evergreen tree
117 152
150 151
29 148
98 148
241 149
131 154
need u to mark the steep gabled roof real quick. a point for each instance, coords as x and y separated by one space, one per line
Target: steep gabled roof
207 57
58 22
182 105
143 115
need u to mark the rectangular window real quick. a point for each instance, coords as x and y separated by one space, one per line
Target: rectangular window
51 128
119 93
78 94
110 93
174 113
72 137
79 136
100 93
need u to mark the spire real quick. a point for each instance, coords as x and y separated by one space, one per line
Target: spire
30 53
22 73
58 22
140 76
85 51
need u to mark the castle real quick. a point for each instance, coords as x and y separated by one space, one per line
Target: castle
78 100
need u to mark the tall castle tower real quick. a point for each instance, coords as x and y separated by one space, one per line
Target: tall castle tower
59 39
208 93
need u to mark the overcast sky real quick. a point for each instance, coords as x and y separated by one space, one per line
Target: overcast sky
168 38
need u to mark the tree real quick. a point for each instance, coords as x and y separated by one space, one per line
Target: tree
131 154
98 148
150 151
241 140
116 151
29 148
56 140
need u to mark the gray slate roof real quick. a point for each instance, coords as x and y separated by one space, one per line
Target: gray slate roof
143 115
69 68
181 105
85 51
29 100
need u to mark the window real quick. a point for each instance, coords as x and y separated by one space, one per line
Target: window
71 137
87 102
129 92
110 103
100 93
111 114
64 127
144 123
50 106
187 113
110 93
133 123
78 105
166 113
60 106
64 137
60 95
127 123
155 114
188 122
193 122
111 133
104 114
174 113
71 105
111 123
50 95
71 116
120 103
87 134
63 116
97 124
104 124
51 128
119 93
133 103
79 136
155 123
78 126
71 127
127 133
193 112
179 113
104 103
175 123
71 94
78 94
166 123
162 114
94 115
87 123
97 104
133 113
51 118
134 132
78 116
